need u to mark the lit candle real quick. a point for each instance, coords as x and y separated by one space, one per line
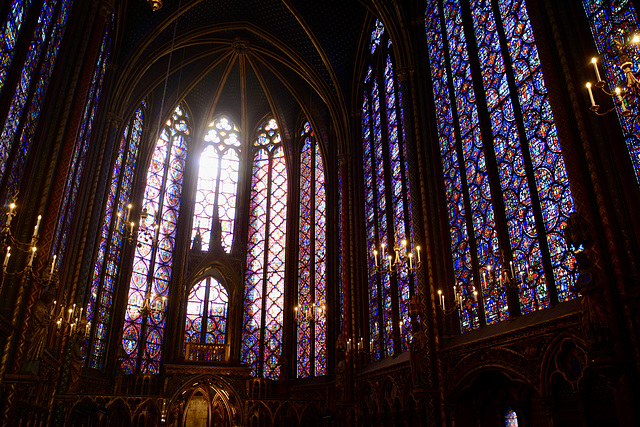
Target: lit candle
118 215
53 264
86 332
132 225
418 251
594 61
440 297
6 257
390 263
12 206
619 95
69 315
375 256
53 309
33 254
410 262
484 278
129 211
475 294
35 230
593 101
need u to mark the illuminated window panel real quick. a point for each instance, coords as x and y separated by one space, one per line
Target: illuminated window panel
152 266
376 35
402 228
453 173
552 182
44 48
508 153
481 208
207 307
609 21
511 418
264 281
10 32
387 202
106 267
311 352
472 203
217 182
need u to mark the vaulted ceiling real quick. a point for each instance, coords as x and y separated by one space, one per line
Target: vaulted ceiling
242 57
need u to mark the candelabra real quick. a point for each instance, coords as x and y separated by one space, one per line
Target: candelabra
396 258
311 313
69 320
625 93
151 303
143 233
10 245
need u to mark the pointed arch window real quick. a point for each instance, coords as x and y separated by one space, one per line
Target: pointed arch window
207 307
218 182
495 123
143 331
264 282
511 418
312 259
16 136
108 260
387 201
613 20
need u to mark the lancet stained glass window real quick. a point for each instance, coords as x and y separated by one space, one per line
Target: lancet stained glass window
217 182
16 137
106 267
523 143
207 307
387 202
611 21
264 282
312 258
143 333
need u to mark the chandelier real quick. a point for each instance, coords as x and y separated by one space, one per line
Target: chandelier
626 92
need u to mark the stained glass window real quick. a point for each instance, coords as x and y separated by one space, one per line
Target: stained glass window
10 32
387 203
217 182
106 267
152 266
16 137
517 143
613 21
311 308
264 281
511 418
207 308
